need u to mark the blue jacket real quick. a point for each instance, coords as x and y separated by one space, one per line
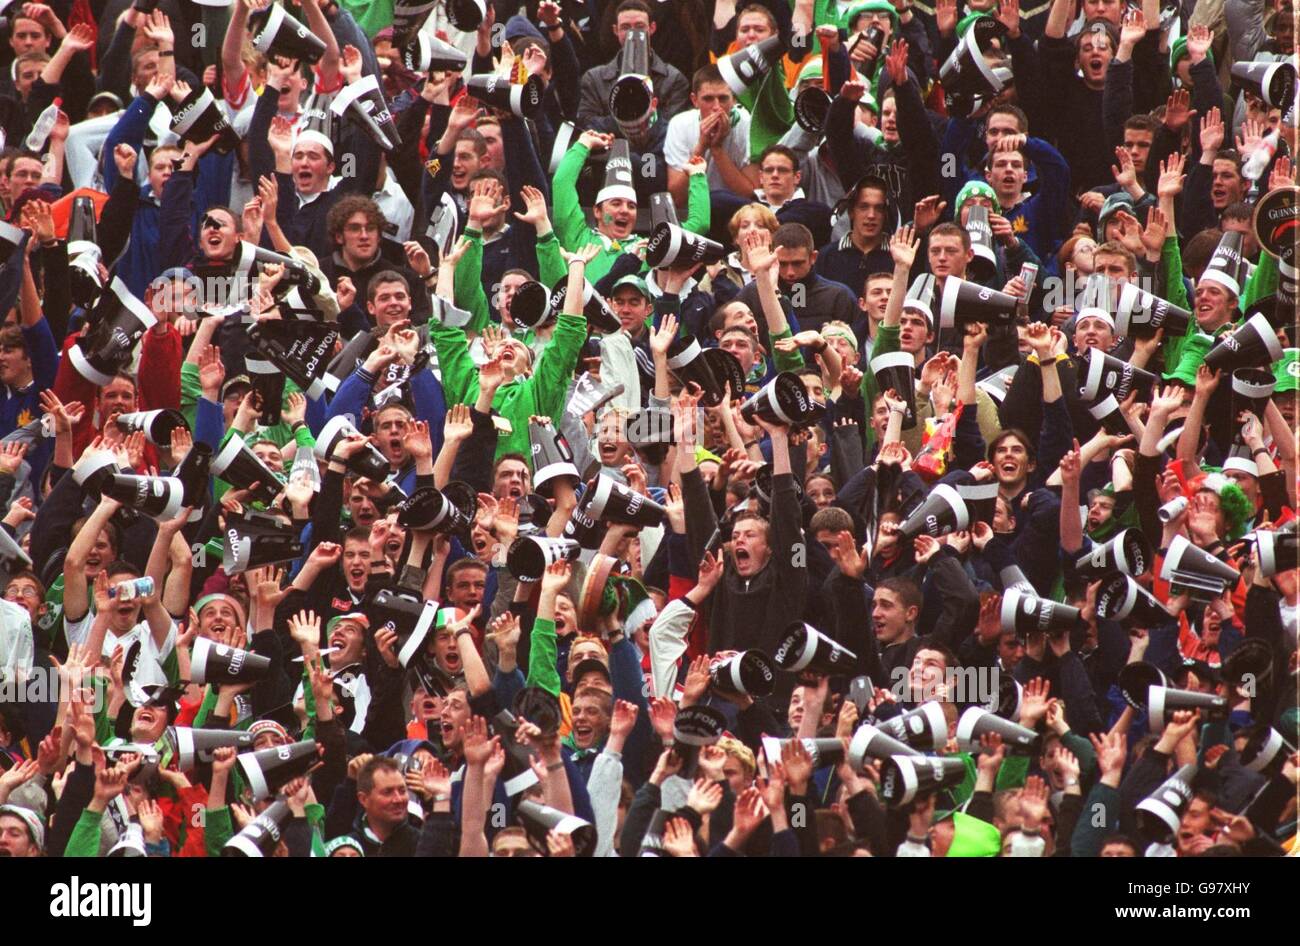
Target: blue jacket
355 395
21 406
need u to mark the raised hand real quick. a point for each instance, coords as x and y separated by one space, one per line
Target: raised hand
1033 704
903 245
1170 182
1212 131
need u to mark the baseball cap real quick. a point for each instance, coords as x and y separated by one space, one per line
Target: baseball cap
238 381
635 281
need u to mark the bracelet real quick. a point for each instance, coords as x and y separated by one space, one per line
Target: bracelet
463 630
296 425
166 52
1258 450
555 766
441 798
1071 782
751 443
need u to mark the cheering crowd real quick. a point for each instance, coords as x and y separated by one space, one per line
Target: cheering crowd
629 428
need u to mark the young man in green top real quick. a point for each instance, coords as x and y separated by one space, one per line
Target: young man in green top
615 205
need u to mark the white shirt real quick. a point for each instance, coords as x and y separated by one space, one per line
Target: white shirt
16 645
684 134
78 632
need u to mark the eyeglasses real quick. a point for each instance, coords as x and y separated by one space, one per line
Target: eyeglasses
360 228
18 591
776 170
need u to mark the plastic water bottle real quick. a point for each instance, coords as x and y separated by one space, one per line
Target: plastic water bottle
1257 163
40 132
131 589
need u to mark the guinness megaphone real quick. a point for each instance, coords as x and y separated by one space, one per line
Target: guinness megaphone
1252 388
1249 668
302 349
1028 614
156 425
365 104
783 400
552 458
942 511
662 209
251 544
268 385
408 17
521 99
975 722
294 273
967 76
964 303
869 742
276 33
241 468
1274 82
1163 702
120 321
803 648
1107 413
218 663
1161 812
1108 375
1252 344
529 555
425 53
823 752
686 362
131 843
671 245
980 499
1139 314
897 371
1196 572
1135 682
631 99
467 15
1006 701
198 117
1120 598
615 502
540 820
924 728
748 673
531 305
1277 551
195 747
695 727
1265 750
811 106
745 68
1128 552
261 836
84 254
904 778
449 511
650 432
408 616
585 528
517 776
266 771
984 264
595 309
726 371
367 462
158 497
11 552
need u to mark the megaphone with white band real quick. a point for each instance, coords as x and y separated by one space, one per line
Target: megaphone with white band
585 528
467 15
261 836
301 349
552 458
943 511
823 752
540 820
1252 388
241 468
687 364
896 370
984 263
294 271
1278 551
518 775
367 462
84 253
631 99
920 297
870 742
1135 682
975 722
964 303
811 106
276 33
219 663
1108 375
1120 598
266 771
671 245
783 400
904 778
803 648
408 18
250 544
662 209
1160 813
425 53
1266 751
193 472
748 673
198 117
447 511
93 470
924 728
1272 81
195 747
120 321
530 555
746 67
694 728
157 426
1107 413
268 385
1196 572
1029 614
967 77
1163 702
1139 314
997 384
365 104
1252 344
1006 701
615 502
521 99
531 304
1128 552
595 309
158 497
981 501
10 237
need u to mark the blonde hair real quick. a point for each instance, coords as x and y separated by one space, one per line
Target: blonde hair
764 214
741 753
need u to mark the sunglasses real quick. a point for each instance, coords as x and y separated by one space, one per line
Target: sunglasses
210 222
